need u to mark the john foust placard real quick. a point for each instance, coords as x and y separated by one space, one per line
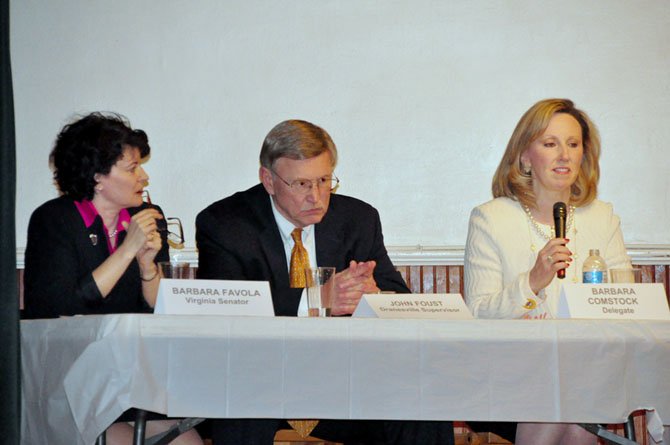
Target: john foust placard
436 306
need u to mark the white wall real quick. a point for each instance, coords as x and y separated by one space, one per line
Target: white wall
419 96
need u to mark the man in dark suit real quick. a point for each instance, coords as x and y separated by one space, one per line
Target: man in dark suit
258 233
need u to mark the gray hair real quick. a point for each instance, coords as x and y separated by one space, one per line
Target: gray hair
296 139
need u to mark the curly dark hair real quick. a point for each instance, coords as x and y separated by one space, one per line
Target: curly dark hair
92 145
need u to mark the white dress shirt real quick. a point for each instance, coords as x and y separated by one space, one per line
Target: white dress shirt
285 229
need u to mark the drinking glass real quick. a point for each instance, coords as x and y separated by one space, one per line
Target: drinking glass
320 287
633 275
176 270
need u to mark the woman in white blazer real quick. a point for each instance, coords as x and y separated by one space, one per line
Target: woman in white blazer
512 256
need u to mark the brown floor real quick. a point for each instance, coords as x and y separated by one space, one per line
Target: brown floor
288 437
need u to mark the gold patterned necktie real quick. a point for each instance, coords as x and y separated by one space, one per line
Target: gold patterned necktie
303 427
299 260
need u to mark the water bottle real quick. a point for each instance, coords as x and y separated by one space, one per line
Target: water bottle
594 270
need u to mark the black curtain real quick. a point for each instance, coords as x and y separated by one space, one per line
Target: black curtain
10 367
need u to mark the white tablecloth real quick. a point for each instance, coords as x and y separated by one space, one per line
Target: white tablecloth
81 373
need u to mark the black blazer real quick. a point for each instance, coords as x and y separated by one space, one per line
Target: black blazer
59 262
238 239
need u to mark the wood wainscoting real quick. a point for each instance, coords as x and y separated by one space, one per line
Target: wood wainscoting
441 279
448 279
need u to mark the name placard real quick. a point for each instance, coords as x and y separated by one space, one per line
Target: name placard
214 297
434 306
634 301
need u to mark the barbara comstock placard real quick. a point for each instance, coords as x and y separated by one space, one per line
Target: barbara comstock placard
435 306
214 297
621 301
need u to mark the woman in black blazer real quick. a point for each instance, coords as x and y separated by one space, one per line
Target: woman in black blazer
93 250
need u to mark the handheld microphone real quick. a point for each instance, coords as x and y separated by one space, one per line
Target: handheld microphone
559 227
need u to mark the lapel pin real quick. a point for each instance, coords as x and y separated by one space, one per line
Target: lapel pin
94 239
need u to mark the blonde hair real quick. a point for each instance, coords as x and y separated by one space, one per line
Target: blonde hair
511 181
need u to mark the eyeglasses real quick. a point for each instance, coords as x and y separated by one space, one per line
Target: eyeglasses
173 226
146 197
304 186
175 233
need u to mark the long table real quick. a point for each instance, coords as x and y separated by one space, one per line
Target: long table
81 373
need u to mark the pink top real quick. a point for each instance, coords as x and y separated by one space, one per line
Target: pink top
88 213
